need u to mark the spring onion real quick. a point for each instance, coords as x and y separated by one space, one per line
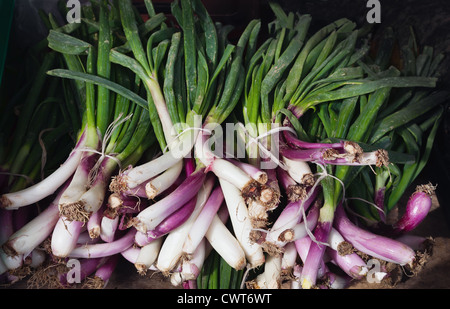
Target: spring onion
321 129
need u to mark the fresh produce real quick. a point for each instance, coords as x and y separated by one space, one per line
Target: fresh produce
326 139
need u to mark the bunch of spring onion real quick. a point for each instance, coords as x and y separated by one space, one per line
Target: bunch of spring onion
326 77
213 82
203 78
35 121
413 116
113 132
32 129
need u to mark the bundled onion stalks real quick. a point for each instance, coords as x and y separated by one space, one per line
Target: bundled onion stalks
344 145
325 141
106 138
